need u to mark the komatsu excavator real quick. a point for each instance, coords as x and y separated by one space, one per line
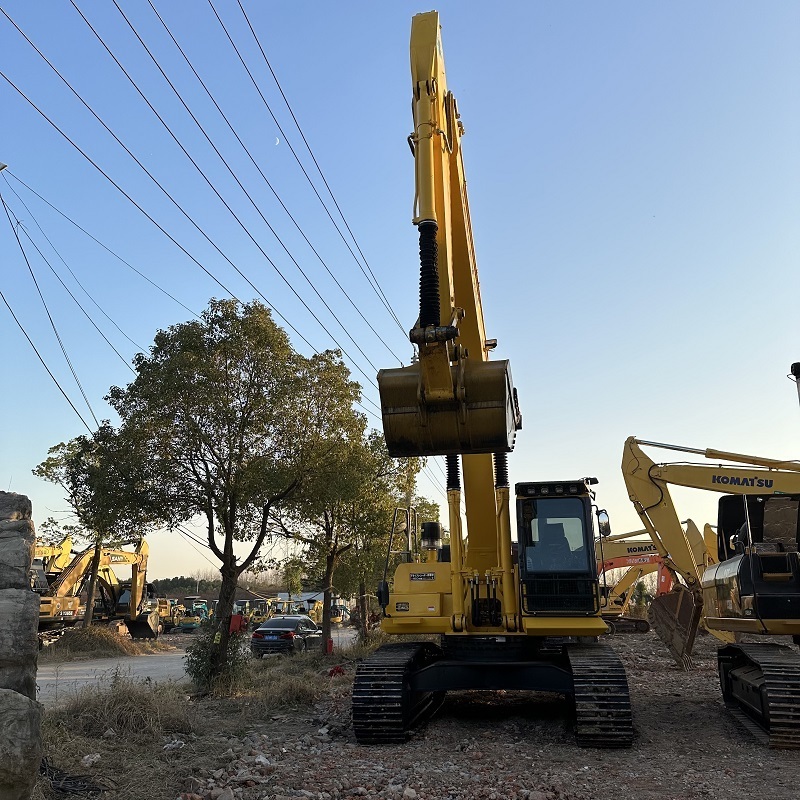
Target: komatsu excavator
754 588
638 557
522 615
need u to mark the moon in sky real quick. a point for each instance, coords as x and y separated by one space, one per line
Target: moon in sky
277 141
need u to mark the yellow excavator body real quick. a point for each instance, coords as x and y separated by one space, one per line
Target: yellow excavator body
508 616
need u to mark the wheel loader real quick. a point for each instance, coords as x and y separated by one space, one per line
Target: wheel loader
521 615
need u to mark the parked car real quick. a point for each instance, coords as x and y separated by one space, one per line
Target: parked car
285 634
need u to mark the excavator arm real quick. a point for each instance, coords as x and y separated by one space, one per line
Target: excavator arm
453 401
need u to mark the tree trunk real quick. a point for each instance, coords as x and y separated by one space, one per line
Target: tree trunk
93 570
222 620
330 562
363 610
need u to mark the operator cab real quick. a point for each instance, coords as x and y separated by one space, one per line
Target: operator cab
558 573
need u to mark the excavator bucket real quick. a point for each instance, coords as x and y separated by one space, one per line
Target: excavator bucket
485 421
144 626
675 616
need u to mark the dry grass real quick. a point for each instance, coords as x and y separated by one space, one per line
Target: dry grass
144 717
138 710
97 642
127 725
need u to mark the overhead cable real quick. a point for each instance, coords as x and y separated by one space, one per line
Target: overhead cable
300 164
269 184
49 315
319 169
161 289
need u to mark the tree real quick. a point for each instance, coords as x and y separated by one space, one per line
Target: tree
228 422
88 469
343 517
293 577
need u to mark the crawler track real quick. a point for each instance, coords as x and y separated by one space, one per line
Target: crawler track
761 683
602 702
385 710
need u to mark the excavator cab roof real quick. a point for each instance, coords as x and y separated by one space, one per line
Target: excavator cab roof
555 488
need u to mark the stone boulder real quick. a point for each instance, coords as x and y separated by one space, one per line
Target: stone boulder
19 644
15 506
17 542
20 744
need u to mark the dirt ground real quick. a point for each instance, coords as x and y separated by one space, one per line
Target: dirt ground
480 745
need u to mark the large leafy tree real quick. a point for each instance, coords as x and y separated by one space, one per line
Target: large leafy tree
229 424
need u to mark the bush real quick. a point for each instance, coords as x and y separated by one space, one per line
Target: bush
198 661
95 642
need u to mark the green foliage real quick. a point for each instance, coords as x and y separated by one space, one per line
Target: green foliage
183 587
641 597
198 660
293 576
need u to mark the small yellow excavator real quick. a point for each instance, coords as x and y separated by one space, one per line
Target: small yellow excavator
750 585
508 615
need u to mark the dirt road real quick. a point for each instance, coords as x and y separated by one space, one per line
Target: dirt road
511 745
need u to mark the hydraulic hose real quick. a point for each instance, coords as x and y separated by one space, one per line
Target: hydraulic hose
428 274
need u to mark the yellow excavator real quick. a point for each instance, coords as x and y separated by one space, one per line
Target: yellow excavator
60 602
638 557
508 615
754 586
51 559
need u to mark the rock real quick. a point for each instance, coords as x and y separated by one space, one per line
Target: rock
15 506
226 794
20 744
19 644
409 793
109 734
16 553
90 760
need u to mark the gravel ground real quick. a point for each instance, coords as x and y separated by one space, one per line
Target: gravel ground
516 745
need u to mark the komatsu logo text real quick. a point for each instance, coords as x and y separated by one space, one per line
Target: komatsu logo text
734 480
642 548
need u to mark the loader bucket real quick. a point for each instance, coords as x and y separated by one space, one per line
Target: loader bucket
485 422
675 616
144 626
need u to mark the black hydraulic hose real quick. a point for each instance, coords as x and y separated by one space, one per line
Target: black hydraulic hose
428 274
501 470
453 474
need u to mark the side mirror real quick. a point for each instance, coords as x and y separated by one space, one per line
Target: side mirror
383 595
603 522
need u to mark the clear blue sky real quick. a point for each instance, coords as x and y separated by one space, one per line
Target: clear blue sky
634 179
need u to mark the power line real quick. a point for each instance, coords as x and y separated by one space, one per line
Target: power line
316 164
49 315
75 299
300 164
44 363
75 278
241 186
268 183
95 240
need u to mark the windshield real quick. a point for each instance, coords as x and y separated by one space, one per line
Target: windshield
290 623
554 536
